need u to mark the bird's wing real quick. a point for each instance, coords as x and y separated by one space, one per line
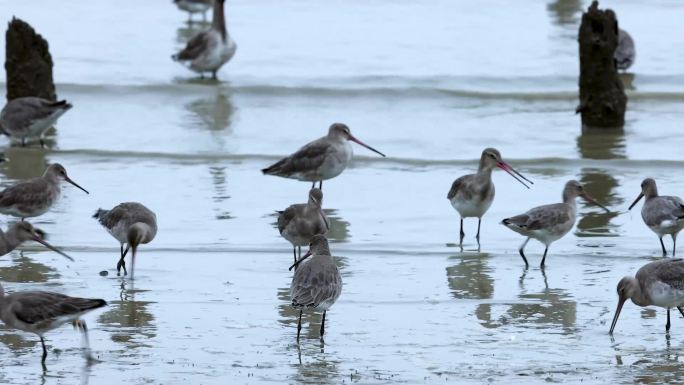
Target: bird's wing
39 306
24 193
306 289
309 157
29 109
663 208
331 275
456 186
128 213
670 271
285 217
195 47
540 217
547 216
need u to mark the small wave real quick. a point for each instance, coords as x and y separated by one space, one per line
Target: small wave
367 160
542 88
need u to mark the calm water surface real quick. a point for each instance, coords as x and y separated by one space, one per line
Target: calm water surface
428 83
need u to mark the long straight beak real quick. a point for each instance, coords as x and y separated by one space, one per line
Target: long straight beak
512 172
300 260
49 246
617 314
134 249
327 225
590 199
641 195
353 139
66 178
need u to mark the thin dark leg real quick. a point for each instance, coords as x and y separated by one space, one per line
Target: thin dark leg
544 257
299 325
462 234
42 341
663 246
213 75
294 251
313 185
479 220
122 262
667 325
681 311
674 244
323 324
521 250
320 185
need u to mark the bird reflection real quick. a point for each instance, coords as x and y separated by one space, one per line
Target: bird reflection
24 163
218 178
600 144
129 319
547 307
565 12
471 278
317 369
214 113
339 228
25 270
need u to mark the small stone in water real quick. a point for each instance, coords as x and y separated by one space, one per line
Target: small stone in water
104 273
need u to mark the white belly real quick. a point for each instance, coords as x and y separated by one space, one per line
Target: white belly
335 162
665 296
470 208
217 54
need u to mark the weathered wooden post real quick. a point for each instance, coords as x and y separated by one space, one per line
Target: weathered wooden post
28 63
602 97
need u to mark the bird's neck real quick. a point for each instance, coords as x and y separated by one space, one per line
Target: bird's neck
639 296
484 172
218 22
321 250
138 233
8 241
569 197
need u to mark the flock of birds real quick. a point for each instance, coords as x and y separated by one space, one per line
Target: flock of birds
317 282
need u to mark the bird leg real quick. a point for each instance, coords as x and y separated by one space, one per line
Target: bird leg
544 257
462 234
213 75
299 325
522 252
663 246
479 220
674 244
294 252
320 184
667 325
42 342
122 262
84 329
323 324
681 311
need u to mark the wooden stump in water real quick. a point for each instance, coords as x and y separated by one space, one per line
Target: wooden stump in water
602 97
28 63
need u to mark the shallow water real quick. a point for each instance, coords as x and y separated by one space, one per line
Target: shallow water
429 84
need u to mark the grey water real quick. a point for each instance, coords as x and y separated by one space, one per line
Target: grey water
430 84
